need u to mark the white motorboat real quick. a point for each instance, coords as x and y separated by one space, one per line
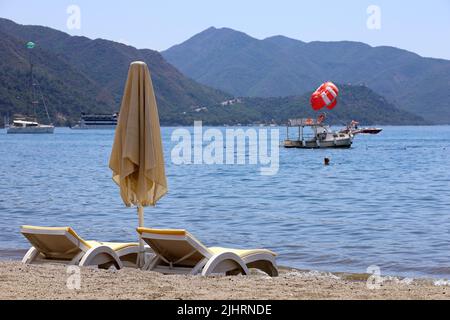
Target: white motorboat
354 129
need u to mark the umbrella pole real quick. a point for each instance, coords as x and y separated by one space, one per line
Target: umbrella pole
141 255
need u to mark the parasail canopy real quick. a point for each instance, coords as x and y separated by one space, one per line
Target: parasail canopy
31 45
325 97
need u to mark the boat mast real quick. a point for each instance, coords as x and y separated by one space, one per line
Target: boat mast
35 86
45 105
6 121
30 46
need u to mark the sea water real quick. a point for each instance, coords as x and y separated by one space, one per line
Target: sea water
384 202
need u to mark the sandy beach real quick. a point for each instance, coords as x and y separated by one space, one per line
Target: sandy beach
18 281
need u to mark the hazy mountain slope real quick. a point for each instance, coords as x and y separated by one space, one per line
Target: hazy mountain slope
239 64
279 66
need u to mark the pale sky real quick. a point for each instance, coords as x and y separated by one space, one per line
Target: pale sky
419 26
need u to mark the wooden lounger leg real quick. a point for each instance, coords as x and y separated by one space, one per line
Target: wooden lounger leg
223 263
101 255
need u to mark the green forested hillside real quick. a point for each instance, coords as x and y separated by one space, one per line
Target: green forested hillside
78 74
67 92
355 103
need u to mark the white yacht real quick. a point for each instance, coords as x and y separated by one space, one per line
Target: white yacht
27 127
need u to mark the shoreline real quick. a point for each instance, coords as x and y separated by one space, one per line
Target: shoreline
49 282
15 256
263 125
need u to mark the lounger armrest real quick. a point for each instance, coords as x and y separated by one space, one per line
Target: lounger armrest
224 262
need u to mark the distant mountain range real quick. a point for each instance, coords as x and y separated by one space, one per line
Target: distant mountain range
78 74
278 66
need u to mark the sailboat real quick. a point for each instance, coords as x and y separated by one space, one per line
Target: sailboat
20 126
23 125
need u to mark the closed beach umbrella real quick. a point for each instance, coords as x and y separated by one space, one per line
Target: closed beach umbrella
137 160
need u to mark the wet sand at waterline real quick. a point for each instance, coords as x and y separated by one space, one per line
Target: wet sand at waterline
18 281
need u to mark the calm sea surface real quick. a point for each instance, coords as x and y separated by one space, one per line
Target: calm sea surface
384 202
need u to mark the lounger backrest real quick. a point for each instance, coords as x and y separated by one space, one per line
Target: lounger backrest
55 243
178 247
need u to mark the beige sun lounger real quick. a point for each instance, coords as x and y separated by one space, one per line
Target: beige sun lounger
178 252
64 245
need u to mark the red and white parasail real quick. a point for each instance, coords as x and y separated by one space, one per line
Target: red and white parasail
325 96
